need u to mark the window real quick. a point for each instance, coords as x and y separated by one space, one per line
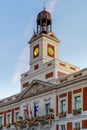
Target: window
77 102
62 127
24 114
16 116
9 118
77 126
63 106
1 120
48 109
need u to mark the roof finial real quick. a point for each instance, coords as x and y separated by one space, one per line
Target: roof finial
44 5
34 30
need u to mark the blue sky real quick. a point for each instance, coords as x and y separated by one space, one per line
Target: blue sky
17 21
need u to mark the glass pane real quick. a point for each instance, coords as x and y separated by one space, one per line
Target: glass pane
24 114
62 127
0 120
16 116
77 102
63 106
47 108
9 118
77 125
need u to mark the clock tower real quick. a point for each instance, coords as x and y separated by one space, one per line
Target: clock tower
44 43
44 62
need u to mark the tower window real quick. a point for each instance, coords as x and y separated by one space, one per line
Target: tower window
36 67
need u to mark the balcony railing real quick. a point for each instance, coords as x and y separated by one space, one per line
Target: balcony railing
61 115
35 120
8 125
20 117
1 126
78 111
76 129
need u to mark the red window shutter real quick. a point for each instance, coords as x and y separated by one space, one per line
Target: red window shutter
69 126
85 99
12 116
57 127
69 102
57 105
4 118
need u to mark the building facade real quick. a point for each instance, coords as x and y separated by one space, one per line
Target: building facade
53 93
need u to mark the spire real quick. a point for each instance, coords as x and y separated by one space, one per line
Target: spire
44 5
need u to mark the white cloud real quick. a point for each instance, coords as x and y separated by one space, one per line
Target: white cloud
21 66
51 5
16 77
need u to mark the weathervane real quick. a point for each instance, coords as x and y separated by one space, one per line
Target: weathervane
44 4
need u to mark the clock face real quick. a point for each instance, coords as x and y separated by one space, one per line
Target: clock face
50 50
36 51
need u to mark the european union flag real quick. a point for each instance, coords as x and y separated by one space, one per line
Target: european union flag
35 110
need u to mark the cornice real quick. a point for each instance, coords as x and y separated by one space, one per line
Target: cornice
43 35
73 81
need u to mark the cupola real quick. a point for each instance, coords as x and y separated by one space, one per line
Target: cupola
44 22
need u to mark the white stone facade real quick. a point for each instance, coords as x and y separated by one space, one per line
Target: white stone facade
57 88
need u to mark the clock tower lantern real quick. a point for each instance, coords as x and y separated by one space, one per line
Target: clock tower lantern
44 43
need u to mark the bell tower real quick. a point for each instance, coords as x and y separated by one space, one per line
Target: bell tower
44 43
44 62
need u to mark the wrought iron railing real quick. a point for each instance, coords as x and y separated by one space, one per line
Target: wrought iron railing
77 111
76 128
61 115
1 126
8 125
42 119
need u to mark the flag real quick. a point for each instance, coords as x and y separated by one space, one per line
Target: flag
27 111
35 110
31 116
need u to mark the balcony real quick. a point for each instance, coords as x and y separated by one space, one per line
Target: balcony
20 117
61 115
8 125
1 126
76 129
34 121
78 111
